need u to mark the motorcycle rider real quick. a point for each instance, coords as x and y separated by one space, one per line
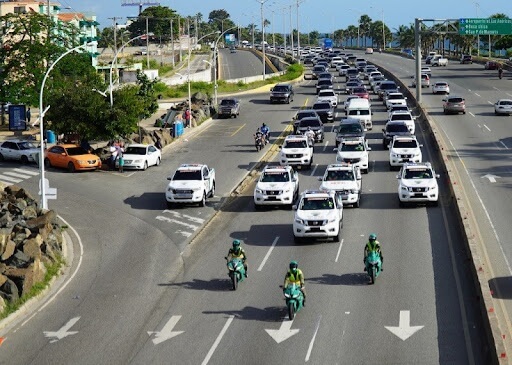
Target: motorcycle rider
310 134
258 137
266 132
237 252
295 276
373 245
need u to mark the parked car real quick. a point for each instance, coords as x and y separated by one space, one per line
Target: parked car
503 106
18 150
71 157
141 156
454 104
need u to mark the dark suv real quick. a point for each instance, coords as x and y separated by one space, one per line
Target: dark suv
466 59
398 128
349 127
281 93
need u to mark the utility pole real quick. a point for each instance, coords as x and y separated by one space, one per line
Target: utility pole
298 34
147 42
291 32
114 23
172 45
284 31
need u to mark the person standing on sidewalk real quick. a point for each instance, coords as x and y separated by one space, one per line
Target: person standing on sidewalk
187 118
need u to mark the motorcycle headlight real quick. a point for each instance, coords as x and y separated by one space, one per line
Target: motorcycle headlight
299 221
287 295
295 296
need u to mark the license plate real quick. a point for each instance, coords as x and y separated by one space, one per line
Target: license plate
344 197
405 160
315 229
181 196
271 198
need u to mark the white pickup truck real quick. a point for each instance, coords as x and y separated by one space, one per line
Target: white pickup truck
439 61
190 183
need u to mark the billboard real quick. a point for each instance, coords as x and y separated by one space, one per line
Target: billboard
17 118
230 38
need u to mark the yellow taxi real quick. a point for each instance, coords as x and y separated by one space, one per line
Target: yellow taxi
71 157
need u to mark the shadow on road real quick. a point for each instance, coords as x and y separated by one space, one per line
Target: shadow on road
268 314
147 201
501 288
349 279
210 285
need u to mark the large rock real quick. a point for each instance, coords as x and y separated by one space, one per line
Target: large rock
31 249
9 250
47 218
9 291
18 260
5 236
34 274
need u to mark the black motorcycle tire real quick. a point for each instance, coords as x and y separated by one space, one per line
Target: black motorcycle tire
291 311
373 273
234 280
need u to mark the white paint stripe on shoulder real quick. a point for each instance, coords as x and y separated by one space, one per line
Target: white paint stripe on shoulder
26 171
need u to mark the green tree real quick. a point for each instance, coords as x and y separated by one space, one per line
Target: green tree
364 27
159 22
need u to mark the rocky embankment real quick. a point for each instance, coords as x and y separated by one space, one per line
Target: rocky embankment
29 239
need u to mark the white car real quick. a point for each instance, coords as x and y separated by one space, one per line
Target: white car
141 156
277 185
404 117
319 214
347 100
426 70
190 183
354 150
296 151
404 149
393 98
345 180
328 95
342 69
374 74
503 106
440 87
18 150
418 184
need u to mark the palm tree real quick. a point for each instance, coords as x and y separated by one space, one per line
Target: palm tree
364 24
351 32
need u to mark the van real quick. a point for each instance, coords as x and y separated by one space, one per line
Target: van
360 109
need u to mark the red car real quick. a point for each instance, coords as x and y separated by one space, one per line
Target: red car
491 65
361 92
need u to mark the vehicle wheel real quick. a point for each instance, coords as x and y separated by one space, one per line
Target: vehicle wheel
373 275
157 163
170 205
445 112
337 237
236 115
357 203
401 204
365 171
287 100
435 203
145 166
391 168
71 167
495 113
298 239
24 159
2 158
212 192
202 203
47 163
257 207
291 311
234 281
463 112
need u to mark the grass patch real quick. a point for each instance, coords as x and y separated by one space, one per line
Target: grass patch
180 91
52 270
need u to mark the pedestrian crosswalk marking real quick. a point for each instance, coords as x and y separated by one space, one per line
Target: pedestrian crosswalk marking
9 180
25 171
15 174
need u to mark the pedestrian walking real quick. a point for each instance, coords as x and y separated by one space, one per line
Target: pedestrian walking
187 118
29 117
120 161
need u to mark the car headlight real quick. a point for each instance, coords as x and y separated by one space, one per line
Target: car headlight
137 161
299 221
332 220
259 191
394 155
197 189
405 188
80 162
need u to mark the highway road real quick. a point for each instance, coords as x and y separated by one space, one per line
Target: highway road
240 64
144 294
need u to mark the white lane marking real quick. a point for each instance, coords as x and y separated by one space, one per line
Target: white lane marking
167 332
15 174
339 251
486 127
314 170
79 264
473 115
271 248
490 102
217 341
325 146
310 348
477 94
495 88
504 145
24 171
189 217
62 332
170 220
11 179
184 233
509 94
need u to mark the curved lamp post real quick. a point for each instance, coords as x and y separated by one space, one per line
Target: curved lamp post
111 87
42 111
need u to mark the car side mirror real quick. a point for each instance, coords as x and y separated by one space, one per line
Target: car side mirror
169 178
368 148
383 130
271 89
294 207
438 176
319 178
421 145
398 176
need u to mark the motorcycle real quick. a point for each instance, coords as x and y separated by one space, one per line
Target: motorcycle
236 271
373 266
259 142
294 299
311 137
266 136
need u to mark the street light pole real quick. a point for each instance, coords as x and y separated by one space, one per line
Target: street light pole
298 34
263 37
44 203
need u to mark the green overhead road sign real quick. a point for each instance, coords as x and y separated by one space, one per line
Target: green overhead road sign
485 26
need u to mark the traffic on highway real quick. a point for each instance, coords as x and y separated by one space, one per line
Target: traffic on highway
348 207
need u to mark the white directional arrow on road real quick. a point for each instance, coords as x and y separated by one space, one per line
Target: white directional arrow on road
404 329
63 332
492 178
167 332
284 332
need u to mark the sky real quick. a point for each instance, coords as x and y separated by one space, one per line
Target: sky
320 15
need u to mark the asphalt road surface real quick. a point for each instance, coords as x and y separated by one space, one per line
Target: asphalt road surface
143 294
240 64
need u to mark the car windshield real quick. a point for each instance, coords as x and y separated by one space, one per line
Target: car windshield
352 71
309 123
76 151
187 175
319 68
325 82
26 145
326 93
132 150
399 108
317 203
387 86
405 144
441 84
418 174
319 106
302 115
228 102
401 117
352 147
295 144
280 89
398 127
359 90
395 96
352 83
339 175
359 112
275 177
351 128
